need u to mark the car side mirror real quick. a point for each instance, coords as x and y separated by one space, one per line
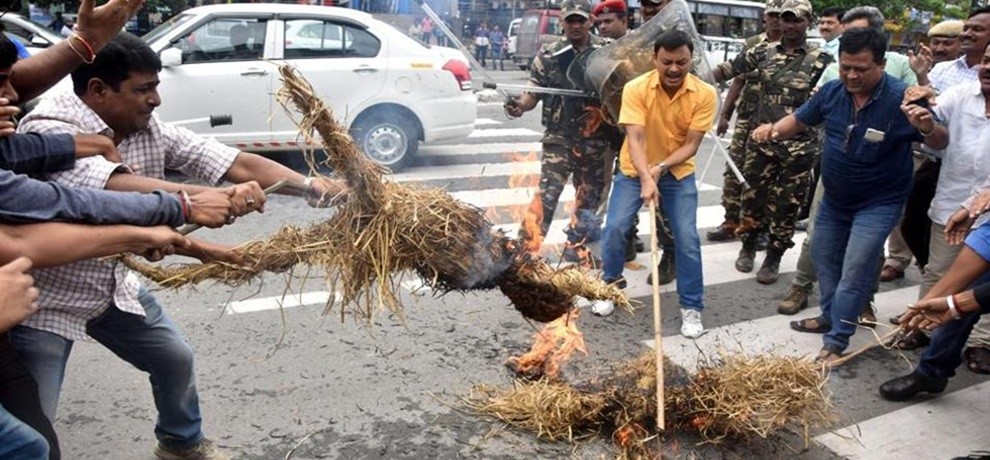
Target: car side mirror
40 42
171 57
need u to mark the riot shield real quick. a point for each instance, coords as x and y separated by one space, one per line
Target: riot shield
607 69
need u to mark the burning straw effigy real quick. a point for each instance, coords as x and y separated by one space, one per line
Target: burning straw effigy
733 397
385 230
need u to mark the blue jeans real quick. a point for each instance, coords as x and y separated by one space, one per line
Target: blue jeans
846 248
152 344
680 203
18 441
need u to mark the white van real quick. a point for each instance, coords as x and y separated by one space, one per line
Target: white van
511 34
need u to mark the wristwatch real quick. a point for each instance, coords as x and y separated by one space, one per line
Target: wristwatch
663 168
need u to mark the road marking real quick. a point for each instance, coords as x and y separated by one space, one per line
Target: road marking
467 171
274 303
504 132
948 426
773 335
486 122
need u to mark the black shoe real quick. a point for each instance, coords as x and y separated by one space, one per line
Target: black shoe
618 282
666 269
904 388
724 232
769 271
744 262
640 245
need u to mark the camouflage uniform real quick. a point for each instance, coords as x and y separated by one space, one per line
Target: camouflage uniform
575 142
745 108
779 172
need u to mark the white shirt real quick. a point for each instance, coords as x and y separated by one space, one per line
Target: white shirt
947 74
966 160
71 295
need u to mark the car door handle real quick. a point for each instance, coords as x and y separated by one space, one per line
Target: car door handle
365 68
254 72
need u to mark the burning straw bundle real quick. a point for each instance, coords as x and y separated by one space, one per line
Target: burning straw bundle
386 229
734 397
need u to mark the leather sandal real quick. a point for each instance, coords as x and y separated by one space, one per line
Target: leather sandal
827 355
812 325
977 359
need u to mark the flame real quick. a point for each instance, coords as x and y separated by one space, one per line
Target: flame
532 217
628 434
551 347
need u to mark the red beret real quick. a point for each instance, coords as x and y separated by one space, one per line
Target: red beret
609 6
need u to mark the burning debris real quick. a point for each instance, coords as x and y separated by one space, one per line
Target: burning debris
389 229
733 397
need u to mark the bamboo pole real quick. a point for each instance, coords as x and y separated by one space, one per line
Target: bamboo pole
657 338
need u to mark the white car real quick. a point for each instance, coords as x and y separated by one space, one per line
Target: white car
390 90
512 33
33 36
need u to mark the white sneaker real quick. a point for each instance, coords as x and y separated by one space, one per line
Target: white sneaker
691 323
602 307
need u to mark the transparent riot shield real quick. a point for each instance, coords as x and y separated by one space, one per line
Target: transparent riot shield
606 70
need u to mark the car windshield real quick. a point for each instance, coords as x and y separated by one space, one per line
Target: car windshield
28 30
166 27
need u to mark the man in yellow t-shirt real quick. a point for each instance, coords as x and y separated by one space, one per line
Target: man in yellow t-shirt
666 113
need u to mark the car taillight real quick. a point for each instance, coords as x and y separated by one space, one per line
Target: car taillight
461 73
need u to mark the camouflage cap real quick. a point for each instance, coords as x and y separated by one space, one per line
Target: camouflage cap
773 6
797 8
578 7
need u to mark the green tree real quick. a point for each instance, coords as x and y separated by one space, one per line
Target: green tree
894 9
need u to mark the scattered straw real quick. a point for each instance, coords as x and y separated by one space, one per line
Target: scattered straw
734 397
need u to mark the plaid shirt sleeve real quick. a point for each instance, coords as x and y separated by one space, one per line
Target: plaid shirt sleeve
195 155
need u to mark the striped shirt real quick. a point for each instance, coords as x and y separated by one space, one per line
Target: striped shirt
72 295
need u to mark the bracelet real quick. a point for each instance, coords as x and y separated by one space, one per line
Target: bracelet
186 205
929 133
79 53
86 44
952 307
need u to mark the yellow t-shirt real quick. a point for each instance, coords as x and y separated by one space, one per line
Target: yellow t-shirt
666 120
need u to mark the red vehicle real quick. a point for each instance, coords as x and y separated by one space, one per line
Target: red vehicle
538 27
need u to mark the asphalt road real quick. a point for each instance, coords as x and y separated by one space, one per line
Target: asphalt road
302 380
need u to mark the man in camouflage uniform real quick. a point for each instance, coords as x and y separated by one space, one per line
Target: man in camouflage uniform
779 172
576 136
745 89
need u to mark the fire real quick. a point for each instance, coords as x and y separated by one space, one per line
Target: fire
551 347
531 218
628 434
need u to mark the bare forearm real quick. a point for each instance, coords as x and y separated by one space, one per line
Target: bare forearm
637 150
248 167
36 74
136 183
938 138
967 267
53 243
729 105
788 127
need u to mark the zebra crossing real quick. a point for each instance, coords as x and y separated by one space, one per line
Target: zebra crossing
485 170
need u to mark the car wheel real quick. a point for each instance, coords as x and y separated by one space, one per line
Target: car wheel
387 140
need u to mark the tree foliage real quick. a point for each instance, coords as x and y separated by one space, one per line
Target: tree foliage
895 9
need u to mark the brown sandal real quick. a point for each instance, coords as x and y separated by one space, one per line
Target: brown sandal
978 359
827 355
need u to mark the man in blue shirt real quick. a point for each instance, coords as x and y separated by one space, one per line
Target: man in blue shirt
866 172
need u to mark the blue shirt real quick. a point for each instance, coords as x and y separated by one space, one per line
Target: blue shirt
856 172
34 153
23 199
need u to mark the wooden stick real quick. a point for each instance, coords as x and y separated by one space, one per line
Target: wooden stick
657 338
849 356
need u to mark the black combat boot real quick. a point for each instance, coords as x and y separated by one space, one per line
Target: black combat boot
744 262
769 271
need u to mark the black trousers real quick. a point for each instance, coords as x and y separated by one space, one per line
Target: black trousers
19 396
916 226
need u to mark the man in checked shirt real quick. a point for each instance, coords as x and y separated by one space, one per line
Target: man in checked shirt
116 96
